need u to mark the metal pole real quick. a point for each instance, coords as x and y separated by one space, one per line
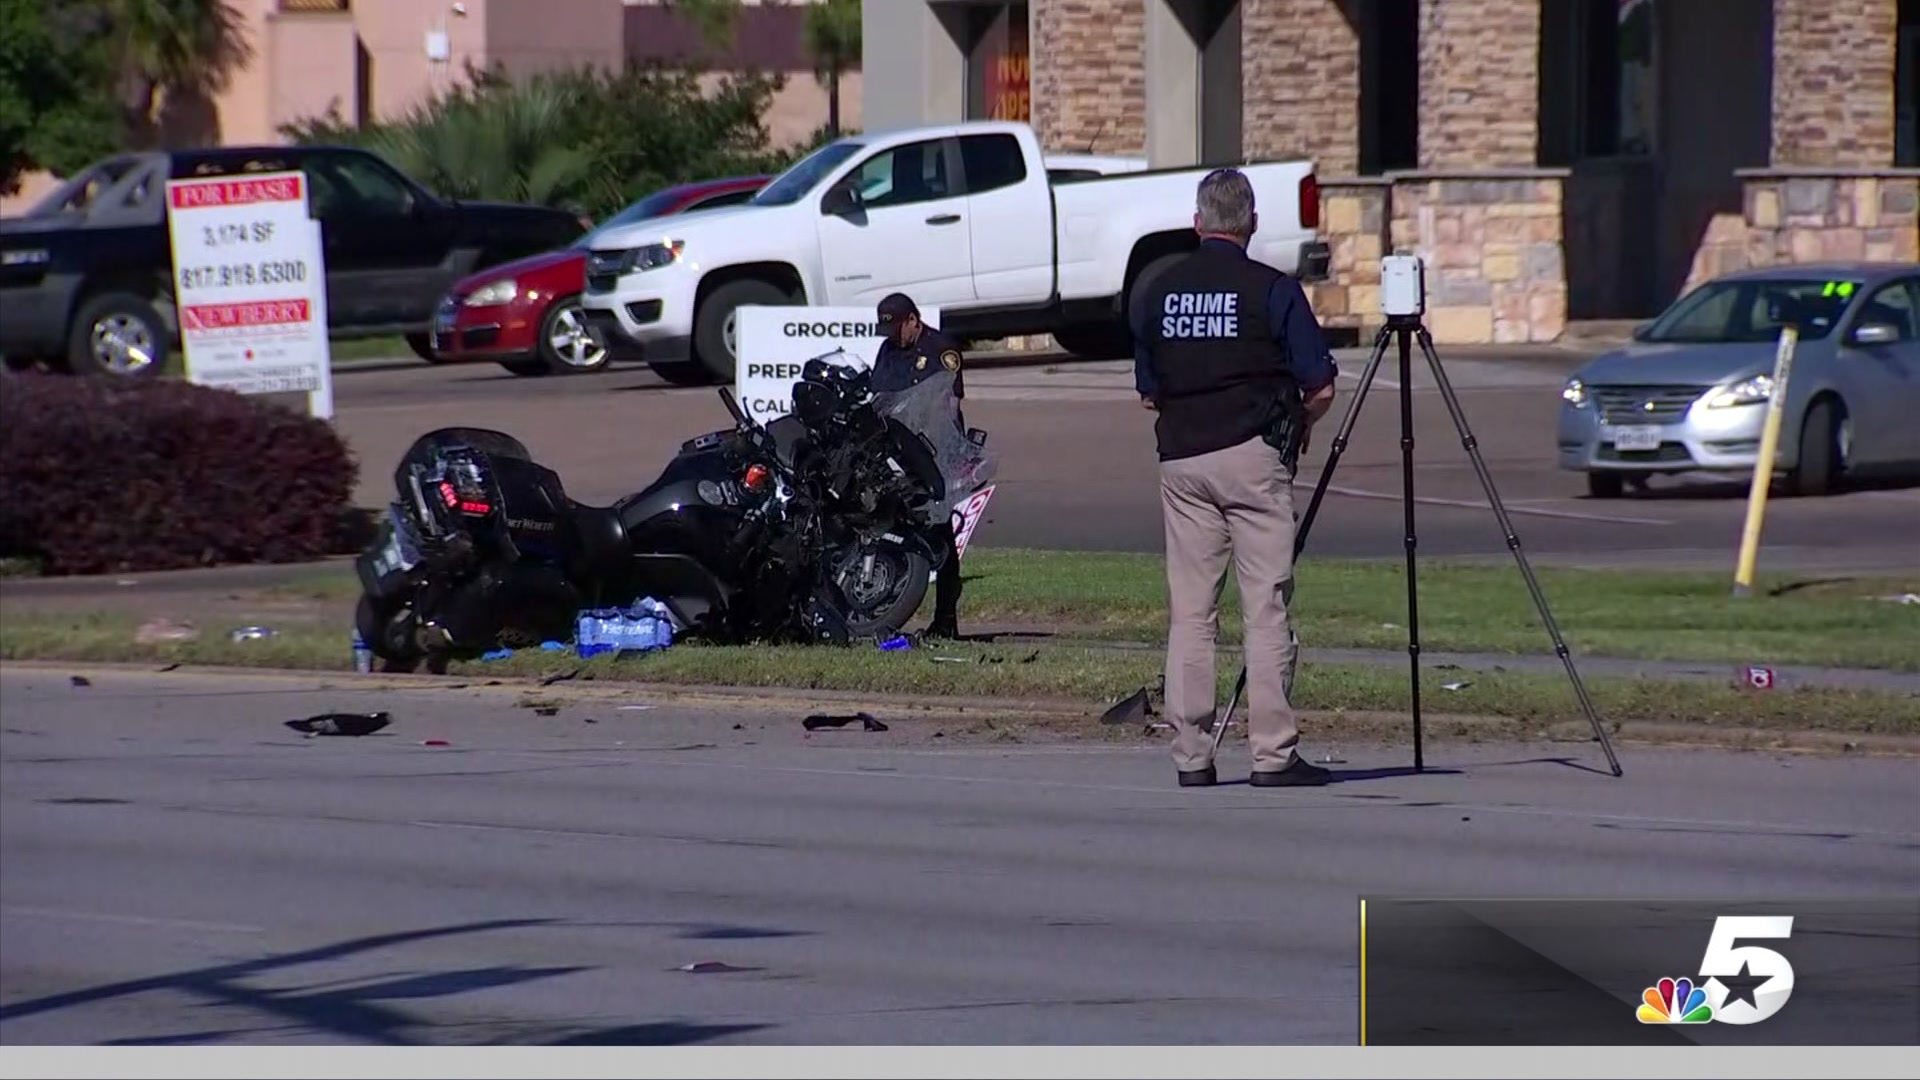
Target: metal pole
1334 450
1513 544
1763 468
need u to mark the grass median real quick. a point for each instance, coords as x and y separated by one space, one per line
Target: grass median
1528 702
1836 621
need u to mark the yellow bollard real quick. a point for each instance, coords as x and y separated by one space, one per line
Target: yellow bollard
1763 469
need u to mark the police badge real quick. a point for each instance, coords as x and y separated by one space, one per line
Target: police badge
951 359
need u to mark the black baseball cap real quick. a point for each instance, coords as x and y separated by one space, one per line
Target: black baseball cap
895 307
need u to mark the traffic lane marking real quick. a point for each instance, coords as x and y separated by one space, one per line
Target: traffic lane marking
1468 504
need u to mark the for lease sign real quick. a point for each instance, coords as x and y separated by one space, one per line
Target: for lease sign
775 343
250 285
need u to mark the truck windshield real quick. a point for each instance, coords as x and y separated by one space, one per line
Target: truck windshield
1728 312
792 186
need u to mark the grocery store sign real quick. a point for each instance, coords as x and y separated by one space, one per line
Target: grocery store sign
250 285
775 343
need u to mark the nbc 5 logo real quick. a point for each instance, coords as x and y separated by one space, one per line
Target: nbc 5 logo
1745 984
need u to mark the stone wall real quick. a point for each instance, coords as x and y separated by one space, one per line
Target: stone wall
1300 76
1491 241
1833 72
1479 83
1089 75
1804 216
1354 213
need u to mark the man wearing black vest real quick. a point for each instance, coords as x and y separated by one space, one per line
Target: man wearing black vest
1228 353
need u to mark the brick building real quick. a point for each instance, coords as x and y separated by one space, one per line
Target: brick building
1552 160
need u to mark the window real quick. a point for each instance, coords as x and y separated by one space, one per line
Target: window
792 186
1906 95
916 172
997 86
992 162
1754 310
731 198
1896 305
364 185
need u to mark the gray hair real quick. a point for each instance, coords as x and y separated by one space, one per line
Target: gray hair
1225 203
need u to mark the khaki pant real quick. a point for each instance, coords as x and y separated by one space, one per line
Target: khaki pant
1236 503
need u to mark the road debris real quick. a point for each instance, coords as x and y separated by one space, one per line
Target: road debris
253 633
80 680
823 720
1455 686
342 723
497 654
712 967
560 676
546 710
435 742
637 708
1130 710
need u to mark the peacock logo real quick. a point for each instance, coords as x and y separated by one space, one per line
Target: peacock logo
1674 1001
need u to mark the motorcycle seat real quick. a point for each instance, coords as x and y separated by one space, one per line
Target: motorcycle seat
602 538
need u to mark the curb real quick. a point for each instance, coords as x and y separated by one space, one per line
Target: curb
1349 728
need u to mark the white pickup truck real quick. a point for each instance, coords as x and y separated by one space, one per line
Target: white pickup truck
962 217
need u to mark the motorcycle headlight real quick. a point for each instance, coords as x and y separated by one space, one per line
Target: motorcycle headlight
496 292
1574 393
1748 392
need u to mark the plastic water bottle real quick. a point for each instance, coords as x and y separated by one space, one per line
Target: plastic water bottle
362 654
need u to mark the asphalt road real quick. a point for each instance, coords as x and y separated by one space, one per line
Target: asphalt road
176 866
1078 468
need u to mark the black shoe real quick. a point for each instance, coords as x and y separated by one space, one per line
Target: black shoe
943 629
1301 773
1198 777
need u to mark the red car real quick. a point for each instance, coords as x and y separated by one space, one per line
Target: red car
525 315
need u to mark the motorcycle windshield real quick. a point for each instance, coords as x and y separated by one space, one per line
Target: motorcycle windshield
929 408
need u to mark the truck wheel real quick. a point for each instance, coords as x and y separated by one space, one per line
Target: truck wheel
118 334
1818 471
713 333
685 373
568 345
1095 341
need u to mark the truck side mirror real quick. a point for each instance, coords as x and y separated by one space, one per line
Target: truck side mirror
841 200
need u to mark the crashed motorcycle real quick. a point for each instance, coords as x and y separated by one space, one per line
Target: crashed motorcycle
817 527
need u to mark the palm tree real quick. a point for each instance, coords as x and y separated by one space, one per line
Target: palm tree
494 143
833 39
173 47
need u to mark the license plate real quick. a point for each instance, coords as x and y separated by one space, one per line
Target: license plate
1636 437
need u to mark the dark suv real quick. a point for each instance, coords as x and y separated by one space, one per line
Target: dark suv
86 276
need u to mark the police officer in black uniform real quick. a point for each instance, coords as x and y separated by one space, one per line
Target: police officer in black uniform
914 351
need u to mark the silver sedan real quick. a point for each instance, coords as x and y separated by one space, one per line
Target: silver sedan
1690 393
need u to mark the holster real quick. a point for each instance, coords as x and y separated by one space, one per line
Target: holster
1286 425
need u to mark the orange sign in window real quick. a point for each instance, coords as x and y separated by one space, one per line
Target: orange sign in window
1008 97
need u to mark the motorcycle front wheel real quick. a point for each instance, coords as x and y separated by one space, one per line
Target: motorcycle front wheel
387 628
884 586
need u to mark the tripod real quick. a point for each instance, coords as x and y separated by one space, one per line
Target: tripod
1405 329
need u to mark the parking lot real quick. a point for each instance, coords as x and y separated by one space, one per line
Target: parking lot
1078 471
